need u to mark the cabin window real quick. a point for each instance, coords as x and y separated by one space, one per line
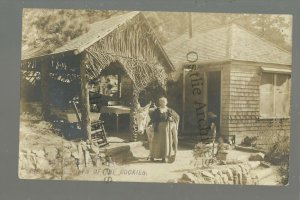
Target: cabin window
275 95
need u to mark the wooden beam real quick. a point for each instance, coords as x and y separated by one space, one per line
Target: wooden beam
84 98
45 78
133 120
119 86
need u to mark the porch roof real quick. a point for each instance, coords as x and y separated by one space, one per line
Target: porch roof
228 42
127 39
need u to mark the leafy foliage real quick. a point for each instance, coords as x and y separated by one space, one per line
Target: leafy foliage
279 152
47 29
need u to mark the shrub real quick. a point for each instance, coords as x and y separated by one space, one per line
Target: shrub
284 173
202 150
249 141
278 153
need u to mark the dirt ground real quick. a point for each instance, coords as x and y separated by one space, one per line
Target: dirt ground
142 170
40 136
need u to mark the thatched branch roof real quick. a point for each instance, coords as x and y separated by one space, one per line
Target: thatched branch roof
127 39
135 46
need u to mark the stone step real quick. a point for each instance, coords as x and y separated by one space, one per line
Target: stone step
248 149
121 152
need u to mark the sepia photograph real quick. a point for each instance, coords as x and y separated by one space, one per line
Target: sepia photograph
161 97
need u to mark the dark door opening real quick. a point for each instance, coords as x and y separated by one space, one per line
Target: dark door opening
214 97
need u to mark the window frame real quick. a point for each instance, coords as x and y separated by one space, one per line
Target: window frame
274 75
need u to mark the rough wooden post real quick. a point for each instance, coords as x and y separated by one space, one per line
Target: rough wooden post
84 99
45 71
134 108
119 86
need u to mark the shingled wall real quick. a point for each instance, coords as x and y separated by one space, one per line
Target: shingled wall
240 110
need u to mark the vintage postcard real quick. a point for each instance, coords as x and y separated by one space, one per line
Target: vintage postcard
167 97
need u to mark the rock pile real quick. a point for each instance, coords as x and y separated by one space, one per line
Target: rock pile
60 162
81 157
69 159
223 174
257 157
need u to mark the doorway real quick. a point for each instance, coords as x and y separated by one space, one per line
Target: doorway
214 99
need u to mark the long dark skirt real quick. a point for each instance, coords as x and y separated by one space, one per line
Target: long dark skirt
162 144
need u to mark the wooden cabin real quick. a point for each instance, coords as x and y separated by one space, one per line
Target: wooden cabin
241 78
114 61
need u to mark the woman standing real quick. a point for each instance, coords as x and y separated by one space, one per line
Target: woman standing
165 122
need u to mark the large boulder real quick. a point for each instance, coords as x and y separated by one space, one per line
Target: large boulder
189 177
38 153
51 153
225 178
27 161
228 173
257 157
208 174
43 164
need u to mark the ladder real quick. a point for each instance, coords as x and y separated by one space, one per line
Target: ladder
98 133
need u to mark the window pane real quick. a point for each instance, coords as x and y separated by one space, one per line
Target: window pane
282 105
282 83
266 105
267 82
